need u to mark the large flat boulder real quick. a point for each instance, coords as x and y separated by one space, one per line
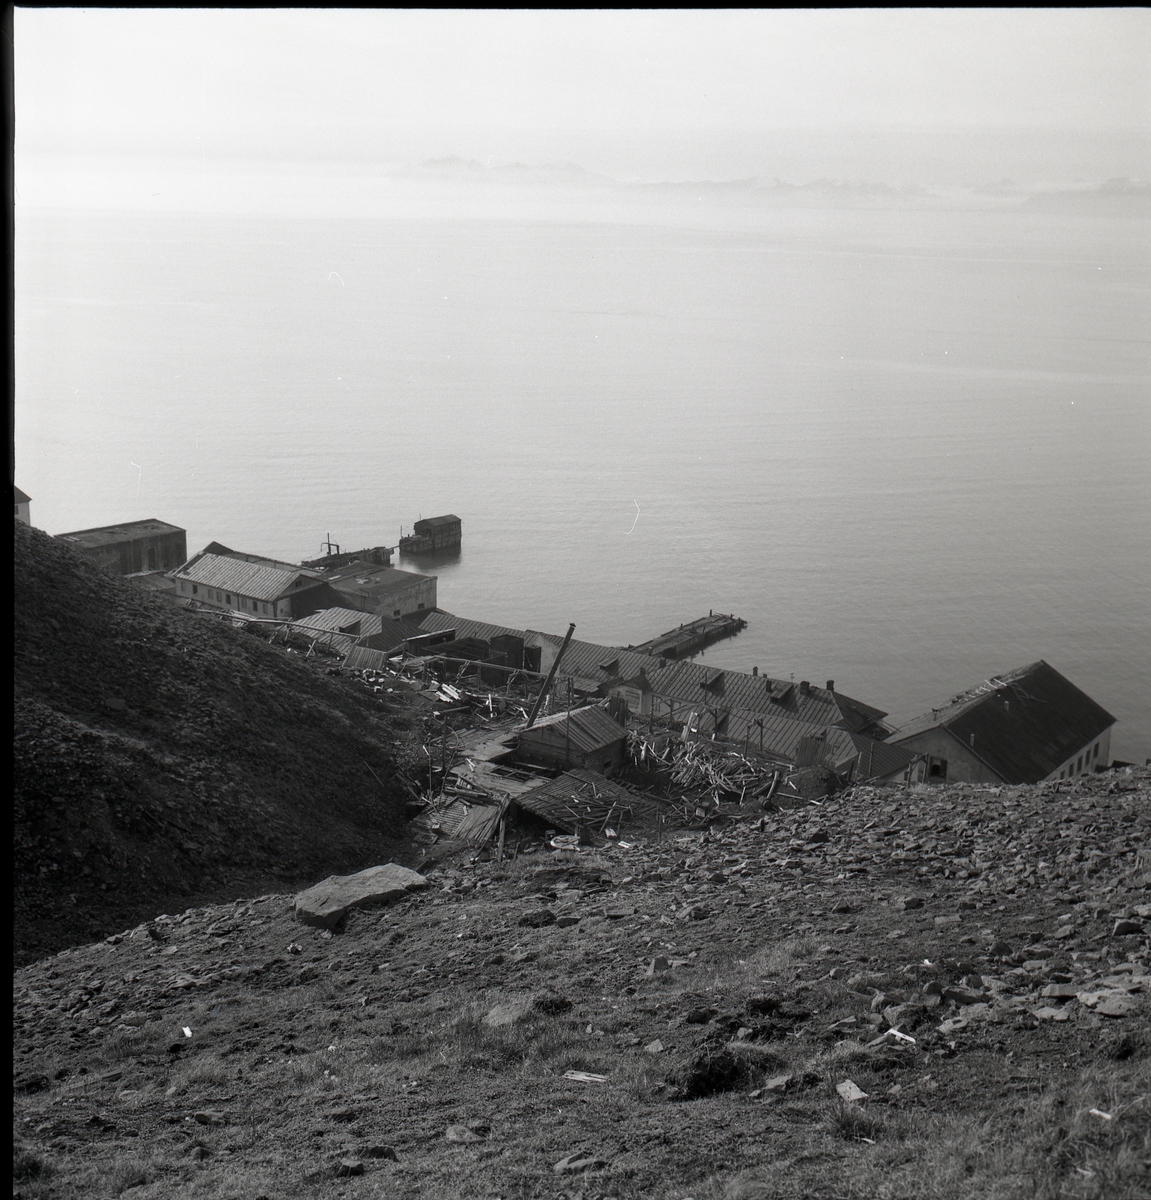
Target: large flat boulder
325 904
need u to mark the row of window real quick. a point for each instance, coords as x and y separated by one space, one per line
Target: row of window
1088 757
219 597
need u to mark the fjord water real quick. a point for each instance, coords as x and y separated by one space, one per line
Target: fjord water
910 448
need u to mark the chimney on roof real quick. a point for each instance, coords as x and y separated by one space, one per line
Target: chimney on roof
755 670
805 687
831 685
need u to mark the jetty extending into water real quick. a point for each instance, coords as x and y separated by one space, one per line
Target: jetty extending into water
693 637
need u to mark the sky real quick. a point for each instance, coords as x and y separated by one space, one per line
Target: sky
404 84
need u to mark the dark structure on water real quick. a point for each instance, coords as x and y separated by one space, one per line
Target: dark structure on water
433 535
693 637
380 556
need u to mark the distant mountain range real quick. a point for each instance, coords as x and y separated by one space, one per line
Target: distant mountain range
473 171
1116 197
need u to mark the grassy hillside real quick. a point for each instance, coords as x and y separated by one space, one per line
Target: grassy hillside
162 758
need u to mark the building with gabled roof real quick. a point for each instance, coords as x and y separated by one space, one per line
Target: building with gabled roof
853 757
22 503
1024 726
577 798
584 737
343 628
764 714
260 587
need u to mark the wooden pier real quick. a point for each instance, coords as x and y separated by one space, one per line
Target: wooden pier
693 637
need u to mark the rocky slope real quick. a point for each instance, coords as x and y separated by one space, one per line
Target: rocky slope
162 757
895 992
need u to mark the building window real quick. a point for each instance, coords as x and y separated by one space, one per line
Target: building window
420 605
1079 766
195 590
395 612
227 599
1095 750
937 768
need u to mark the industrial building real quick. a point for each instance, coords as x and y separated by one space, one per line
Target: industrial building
132 547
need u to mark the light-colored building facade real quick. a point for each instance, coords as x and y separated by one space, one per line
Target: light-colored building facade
23 506
1025 726
385 591
263 588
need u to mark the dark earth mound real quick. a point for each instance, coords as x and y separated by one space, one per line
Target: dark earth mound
163 759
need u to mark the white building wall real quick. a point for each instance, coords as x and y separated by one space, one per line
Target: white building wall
1087 758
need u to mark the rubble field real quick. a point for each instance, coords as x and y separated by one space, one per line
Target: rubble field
891 993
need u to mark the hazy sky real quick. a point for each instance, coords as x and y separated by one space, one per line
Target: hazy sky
315 81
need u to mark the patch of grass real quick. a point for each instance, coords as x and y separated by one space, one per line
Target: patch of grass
1054 1148
127 1170
201 1072
772 1181
854 1123
27 1165
153 1037
467 1044
776 961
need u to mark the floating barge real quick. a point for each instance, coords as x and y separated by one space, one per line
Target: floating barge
433 535
335 557
693 637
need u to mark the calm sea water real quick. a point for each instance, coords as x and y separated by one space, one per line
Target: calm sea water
911 449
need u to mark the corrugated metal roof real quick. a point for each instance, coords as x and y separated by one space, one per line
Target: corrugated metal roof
856 714
874 759
781 733
438 621
685 681
263 559
360 658
744 699
342 620
589 728
558 801
344 628
1023 724
259 581
379 634
110 535
587 660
